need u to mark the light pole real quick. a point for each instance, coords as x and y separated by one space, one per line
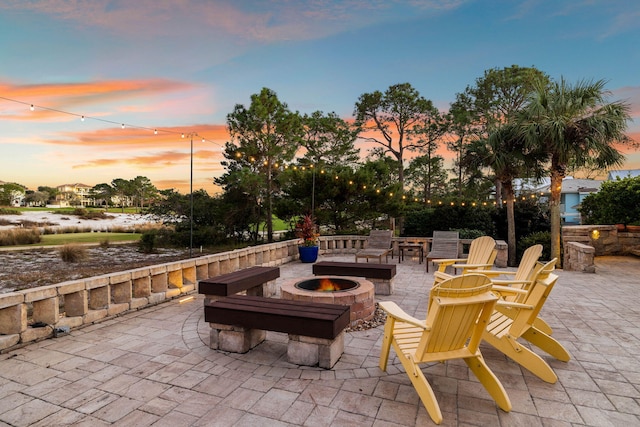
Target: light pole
190 195
191 203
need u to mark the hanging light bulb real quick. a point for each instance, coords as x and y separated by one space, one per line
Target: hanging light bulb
123 126
183 135
155 131
82 119
202 139
32 107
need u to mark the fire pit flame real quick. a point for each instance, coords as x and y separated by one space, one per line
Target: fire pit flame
325 284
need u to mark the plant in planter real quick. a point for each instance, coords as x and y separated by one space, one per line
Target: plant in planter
307 231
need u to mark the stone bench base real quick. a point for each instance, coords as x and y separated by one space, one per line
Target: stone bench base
301 350
316 330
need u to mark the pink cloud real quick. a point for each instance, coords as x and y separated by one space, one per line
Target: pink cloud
54 101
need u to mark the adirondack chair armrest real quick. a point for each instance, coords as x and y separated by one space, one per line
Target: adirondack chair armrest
471 266
445 262
492 273
509 304
448 261
441 275
507 290
392 309
507 282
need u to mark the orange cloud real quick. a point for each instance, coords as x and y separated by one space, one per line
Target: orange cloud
55 101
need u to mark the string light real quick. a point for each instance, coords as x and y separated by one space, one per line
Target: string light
82 117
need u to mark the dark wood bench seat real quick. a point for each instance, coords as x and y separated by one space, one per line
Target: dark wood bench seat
273 314
372 271
316 330
238 281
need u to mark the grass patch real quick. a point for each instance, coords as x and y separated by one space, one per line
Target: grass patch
10 211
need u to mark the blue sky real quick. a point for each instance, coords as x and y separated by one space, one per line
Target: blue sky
181 66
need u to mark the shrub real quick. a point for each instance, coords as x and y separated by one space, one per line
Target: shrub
73 253
617 202
446 217
19 236
540 237
468 233
531 216
147 242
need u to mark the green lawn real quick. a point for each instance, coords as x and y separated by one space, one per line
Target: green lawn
63 239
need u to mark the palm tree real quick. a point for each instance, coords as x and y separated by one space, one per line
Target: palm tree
507 154
573 123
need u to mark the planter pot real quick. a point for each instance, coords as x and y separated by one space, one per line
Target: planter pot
621 227
308 253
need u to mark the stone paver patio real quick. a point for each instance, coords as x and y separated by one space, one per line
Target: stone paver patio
154 367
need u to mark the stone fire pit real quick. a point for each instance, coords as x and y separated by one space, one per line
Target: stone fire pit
360 296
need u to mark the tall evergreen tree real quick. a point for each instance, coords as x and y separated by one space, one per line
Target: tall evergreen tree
263 137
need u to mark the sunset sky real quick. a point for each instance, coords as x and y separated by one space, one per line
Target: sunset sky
181 66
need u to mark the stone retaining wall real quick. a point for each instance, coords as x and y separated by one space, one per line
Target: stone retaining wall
582 243
43 312
47 311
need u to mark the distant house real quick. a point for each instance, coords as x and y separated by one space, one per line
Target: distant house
14 193
74 195
624 173
572 193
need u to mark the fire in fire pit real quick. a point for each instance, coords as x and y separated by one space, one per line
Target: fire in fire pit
326 284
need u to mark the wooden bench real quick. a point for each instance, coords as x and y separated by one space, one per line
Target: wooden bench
380 274
253 280
316 330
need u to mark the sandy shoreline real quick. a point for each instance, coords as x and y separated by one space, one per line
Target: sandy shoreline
53 220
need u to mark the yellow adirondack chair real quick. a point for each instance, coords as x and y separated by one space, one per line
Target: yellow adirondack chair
455 323
522 274
518 291
482 254
517 319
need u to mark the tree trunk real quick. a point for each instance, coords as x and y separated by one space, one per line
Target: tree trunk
554 214
498 185
400 223
269 218
511 223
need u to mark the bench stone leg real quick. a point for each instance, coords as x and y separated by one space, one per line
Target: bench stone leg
309 351
234 339
382 286
267 289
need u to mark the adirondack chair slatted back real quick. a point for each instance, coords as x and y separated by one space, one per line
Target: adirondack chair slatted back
379 239
540 271
528 262
537 297
481 249
459 311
